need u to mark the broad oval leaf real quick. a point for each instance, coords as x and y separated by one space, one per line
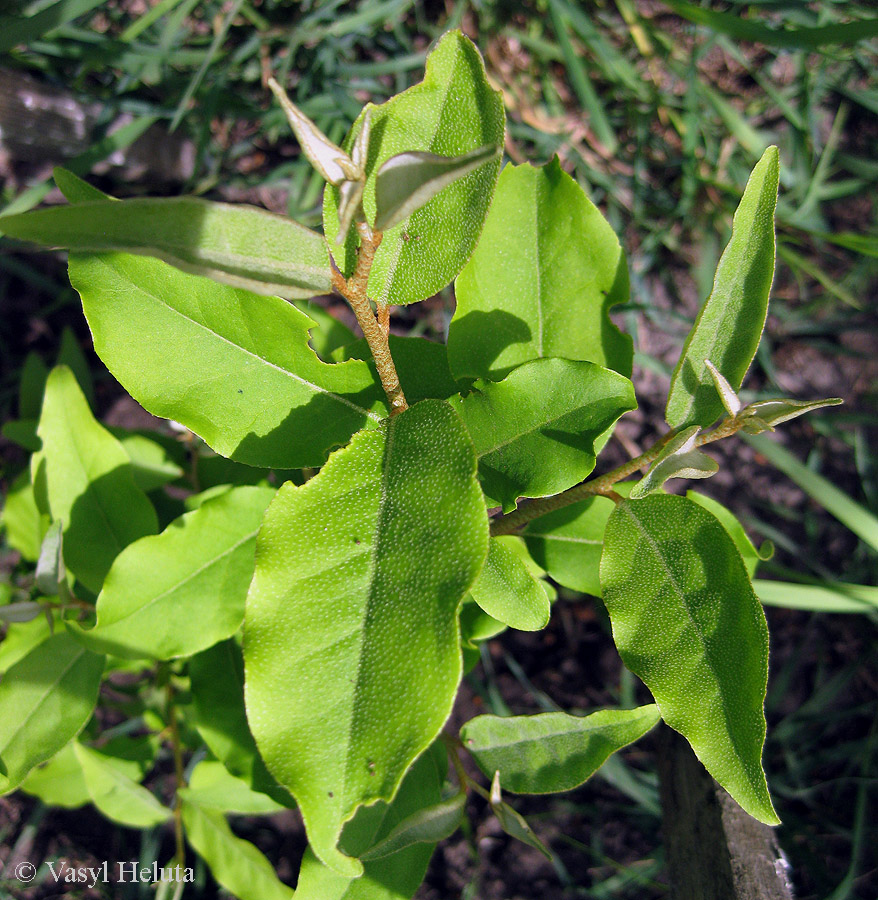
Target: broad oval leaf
236 864
409 180
568 542
535 431
45 700
85 476
353 611
452 111
546 271
506 591
730 323
239 245
685 620
232 366
119 797
553 751
196 571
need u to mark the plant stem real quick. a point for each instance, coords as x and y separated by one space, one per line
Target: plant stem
603 485
176 747
354 290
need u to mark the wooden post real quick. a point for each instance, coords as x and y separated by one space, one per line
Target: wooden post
715 850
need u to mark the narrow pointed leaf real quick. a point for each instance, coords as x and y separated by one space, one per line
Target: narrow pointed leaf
50 572
541 282
679 458
686 621
119 797
45 700
453 111
235 863
365 563
512 822
85 476
327 158
197 570
724 389
509 593
765 414
568 542
552 752
409 180
25 611
730 323
535 431
232 366
239 245
426 826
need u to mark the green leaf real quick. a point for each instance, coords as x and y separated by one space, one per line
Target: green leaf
751 556
834 597
535 431
452 111
196 571
25 525
509 593
70 354
430 825
60 781
151 464
45 700
21 638
407 181
24 29
422 366
51 574
23 611
118 796
363 564
329 334
217 682
31 385
236 244
393 877
679 458
553 751
233 367
85 476
765 414
730 323
686 621
567 543
235 863
212 786
541 281
512 822
476 625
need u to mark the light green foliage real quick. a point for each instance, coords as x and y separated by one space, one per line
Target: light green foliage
764 415
25 526
239 245
197 570
60 781
45 700
21 638
686 621
508 592
731 320
512 822
82 476
679 458
535 431
541 281
151 464
32 383
212 786
116 794
235 863
234 367
429 825
567 543
552 751
353 611
749 554
452 111
392 877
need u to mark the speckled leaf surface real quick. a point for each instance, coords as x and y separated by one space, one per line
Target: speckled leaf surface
197 570
547 269
729 325
353 612
508 592
535 431
687 622
232 366
553 751
83 477
452 111
234 243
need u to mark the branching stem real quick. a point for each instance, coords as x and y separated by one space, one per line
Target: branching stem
376 330
603 485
